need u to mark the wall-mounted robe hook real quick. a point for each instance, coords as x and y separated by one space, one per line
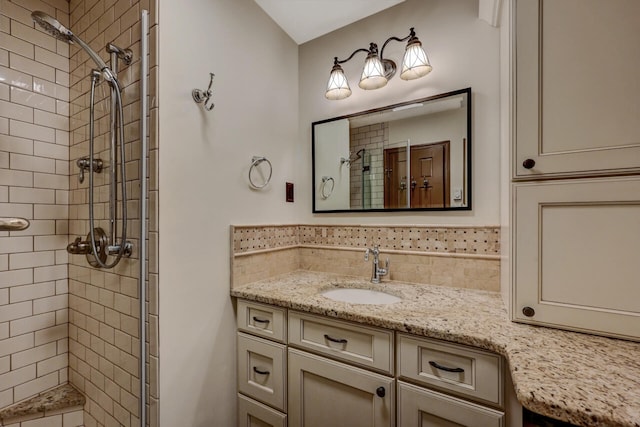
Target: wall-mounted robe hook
203 97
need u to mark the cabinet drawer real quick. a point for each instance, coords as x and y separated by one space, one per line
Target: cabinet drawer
262 367
263 320
362 345
468 372
426 408
255 414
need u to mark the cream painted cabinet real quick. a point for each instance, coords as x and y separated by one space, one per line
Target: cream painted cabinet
577 256
574 250
324 392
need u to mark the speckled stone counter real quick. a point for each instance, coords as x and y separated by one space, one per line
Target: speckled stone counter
582 379
62 397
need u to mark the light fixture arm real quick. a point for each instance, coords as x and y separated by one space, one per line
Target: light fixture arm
390 67
338 62
412 33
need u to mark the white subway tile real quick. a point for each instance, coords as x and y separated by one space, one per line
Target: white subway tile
48 421
49 243
4 296
42 274
32 67
16 178
33 355
15 311
4 126
31 259
16 12
4 58
31 99
5 364
52 151
28 33
30 292
49 88
53 364
14 44
40 227
62 316
4 190
16 78
73 419
16 209
62 78
31 195
50 58
4 331
4 91
32 323
51 334
56 121
4 160
32 388
32 131
16 277
16 112
14 144
62 108
62 137
62 197
6 399
32 163
50 211
62 256
51 181
17 376
16 244
14 344
4 262
62 166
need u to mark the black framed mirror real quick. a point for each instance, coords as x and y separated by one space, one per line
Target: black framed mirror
414 155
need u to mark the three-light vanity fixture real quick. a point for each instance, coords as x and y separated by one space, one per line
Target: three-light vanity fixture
378 70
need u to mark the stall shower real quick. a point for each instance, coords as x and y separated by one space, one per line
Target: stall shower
73 157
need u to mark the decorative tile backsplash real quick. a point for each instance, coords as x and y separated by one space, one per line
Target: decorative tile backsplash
473 240
456 256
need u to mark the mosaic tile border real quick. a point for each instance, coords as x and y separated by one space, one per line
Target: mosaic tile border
469 240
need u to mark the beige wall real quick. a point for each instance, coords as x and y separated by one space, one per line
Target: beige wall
34 184
464 52
204 162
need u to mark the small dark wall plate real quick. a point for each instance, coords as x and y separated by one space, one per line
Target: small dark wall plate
289 192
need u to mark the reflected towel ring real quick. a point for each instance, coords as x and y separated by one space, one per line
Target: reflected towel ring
323 187
255 161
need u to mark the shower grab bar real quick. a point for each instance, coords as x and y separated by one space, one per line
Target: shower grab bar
13 224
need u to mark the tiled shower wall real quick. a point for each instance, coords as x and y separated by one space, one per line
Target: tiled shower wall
34 184
367 187
103 304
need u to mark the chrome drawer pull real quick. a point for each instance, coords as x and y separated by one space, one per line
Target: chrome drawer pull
336 340
444 368
259 320
261 372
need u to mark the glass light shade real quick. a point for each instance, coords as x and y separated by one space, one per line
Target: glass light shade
337 87
373 73
415 63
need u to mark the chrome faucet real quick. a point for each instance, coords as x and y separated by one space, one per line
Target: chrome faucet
377 272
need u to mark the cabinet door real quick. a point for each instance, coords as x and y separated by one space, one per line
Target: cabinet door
576 259
255 414
324 392
577 93
419 407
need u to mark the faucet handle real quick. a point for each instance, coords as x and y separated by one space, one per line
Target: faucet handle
366 254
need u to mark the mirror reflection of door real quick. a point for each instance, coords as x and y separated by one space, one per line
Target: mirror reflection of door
428 183
396 185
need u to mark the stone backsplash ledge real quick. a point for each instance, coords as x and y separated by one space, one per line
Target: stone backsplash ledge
457 256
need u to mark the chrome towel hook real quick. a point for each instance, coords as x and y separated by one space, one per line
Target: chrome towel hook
203 97
255 161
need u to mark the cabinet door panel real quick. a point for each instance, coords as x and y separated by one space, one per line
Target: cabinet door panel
419 407
568 121
324 392
576 255
255 414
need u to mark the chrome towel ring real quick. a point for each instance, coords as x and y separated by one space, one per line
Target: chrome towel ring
255 161
323 187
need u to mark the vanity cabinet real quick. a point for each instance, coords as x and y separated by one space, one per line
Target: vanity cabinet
333 372
573 239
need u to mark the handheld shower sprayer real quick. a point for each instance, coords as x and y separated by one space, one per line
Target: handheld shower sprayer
60 32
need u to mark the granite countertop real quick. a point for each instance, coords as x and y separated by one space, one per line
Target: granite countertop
583 379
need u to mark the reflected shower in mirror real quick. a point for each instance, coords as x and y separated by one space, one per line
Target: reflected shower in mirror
410 156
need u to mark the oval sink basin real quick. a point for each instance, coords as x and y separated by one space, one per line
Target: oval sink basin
361 296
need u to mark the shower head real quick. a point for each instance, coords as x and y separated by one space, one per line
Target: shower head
52 26
60 32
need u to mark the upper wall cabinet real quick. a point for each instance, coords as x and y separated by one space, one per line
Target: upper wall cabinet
577 88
